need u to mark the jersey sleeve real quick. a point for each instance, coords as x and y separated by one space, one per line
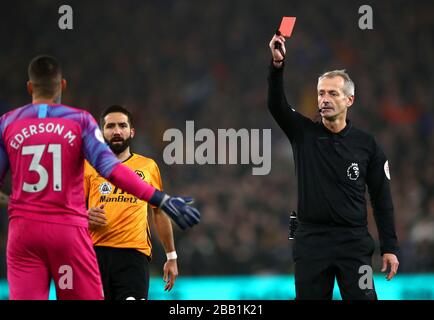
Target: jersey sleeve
156 181
289 120
378 181
96 151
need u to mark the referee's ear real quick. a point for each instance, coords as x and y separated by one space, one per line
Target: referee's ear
350 101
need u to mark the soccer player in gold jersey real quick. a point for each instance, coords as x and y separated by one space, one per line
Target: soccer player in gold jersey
118 221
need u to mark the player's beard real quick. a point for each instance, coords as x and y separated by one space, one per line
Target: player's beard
118 148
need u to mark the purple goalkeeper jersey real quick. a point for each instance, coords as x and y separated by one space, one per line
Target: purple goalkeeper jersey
45 147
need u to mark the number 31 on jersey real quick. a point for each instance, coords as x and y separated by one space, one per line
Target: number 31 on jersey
37 151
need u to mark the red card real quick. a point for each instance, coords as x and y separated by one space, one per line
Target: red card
286 26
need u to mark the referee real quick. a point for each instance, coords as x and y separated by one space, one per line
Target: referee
335 161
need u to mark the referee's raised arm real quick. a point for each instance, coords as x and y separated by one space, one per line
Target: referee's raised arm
286 117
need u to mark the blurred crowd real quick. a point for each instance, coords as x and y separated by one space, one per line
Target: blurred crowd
207 61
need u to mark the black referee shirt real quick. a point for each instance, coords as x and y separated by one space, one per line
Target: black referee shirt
333 170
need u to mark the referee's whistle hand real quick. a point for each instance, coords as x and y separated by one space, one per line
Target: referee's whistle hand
392 260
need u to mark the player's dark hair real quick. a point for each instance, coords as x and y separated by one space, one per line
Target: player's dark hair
45 74
116 108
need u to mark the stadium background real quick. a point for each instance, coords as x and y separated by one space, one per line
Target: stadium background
172 61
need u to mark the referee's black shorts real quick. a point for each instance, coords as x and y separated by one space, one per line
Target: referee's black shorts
325 253
124 273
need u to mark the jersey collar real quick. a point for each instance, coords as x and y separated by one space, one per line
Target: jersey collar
131 155
341 133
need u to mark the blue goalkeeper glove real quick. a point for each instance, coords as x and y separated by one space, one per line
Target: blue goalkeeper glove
176 208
